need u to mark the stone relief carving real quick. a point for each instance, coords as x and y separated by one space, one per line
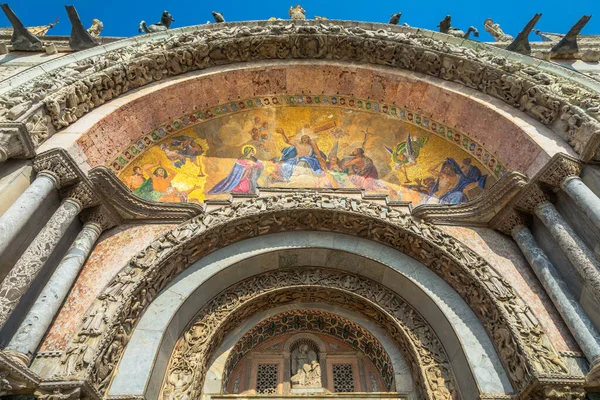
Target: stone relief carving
67 93
320 322
516 339
404 325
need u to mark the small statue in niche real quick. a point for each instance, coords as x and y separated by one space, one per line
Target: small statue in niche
165 23
306 370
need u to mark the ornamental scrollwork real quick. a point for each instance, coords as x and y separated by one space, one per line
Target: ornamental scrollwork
514 329
404 325
67 93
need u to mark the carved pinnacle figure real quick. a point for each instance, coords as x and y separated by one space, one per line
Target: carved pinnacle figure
96 29
496 32
297 12
568 44
80 38
395 18
22 39
218 17
446 27
521 43
165 23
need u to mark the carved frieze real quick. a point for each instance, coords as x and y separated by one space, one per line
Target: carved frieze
517 334
412 334
67 93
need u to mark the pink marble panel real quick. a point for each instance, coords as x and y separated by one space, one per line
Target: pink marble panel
111 254
504 256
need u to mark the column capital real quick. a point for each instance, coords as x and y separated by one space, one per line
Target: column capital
15 141
533 196
71 389
16 377
58 164
101 217
510 219
81 193
558 169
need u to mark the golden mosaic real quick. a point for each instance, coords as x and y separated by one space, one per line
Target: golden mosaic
303 146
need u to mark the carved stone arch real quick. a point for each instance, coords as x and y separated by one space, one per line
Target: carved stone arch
549 93
376 353
291 342
411 333
514 330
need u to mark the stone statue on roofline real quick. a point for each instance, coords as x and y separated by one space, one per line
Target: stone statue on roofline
96 29
446 27
496 32
395 18
297 12
218 17
165 23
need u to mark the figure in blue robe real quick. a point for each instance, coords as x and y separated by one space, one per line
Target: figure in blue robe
243 176
468 174
314 157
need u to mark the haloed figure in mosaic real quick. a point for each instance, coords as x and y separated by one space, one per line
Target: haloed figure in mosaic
243 176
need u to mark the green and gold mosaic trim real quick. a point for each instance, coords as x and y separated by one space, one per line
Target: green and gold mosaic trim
487 158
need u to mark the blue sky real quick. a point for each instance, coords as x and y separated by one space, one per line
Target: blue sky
121 18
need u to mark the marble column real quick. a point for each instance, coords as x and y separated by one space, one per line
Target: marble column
40 316
567 305
583 198
572 246
27 268
18 214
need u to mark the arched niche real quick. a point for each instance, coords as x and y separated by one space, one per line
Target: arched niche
462 336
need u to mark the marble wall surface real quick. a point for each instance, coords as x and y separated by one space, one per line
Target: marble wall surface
113 251
504 255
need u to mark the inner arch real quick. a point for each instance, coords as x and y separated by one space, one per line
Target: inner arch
448 314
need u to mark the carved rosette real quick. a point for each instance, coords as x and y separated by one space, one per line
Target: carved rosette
517 334
563 103
558 169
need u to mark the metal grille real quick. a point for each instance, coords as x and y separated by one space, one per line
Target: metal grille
267 378
343 378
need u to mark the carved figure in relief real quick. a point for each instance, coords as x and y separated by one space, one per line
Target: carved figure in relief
165 23
79 356
497 32
306 369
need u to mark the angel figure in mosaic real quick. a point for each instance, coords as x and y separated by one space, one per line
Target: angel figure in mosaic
182 149
406 153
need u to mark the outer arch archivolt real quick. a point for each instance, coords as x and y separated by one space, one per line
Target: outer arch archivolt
516 333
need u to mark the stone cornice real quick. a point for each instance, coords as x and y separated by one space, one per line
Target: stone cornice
130 208
563 100
476 212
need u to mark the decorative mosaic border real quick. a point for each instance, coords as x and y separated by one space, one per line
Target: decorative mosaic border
452 135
